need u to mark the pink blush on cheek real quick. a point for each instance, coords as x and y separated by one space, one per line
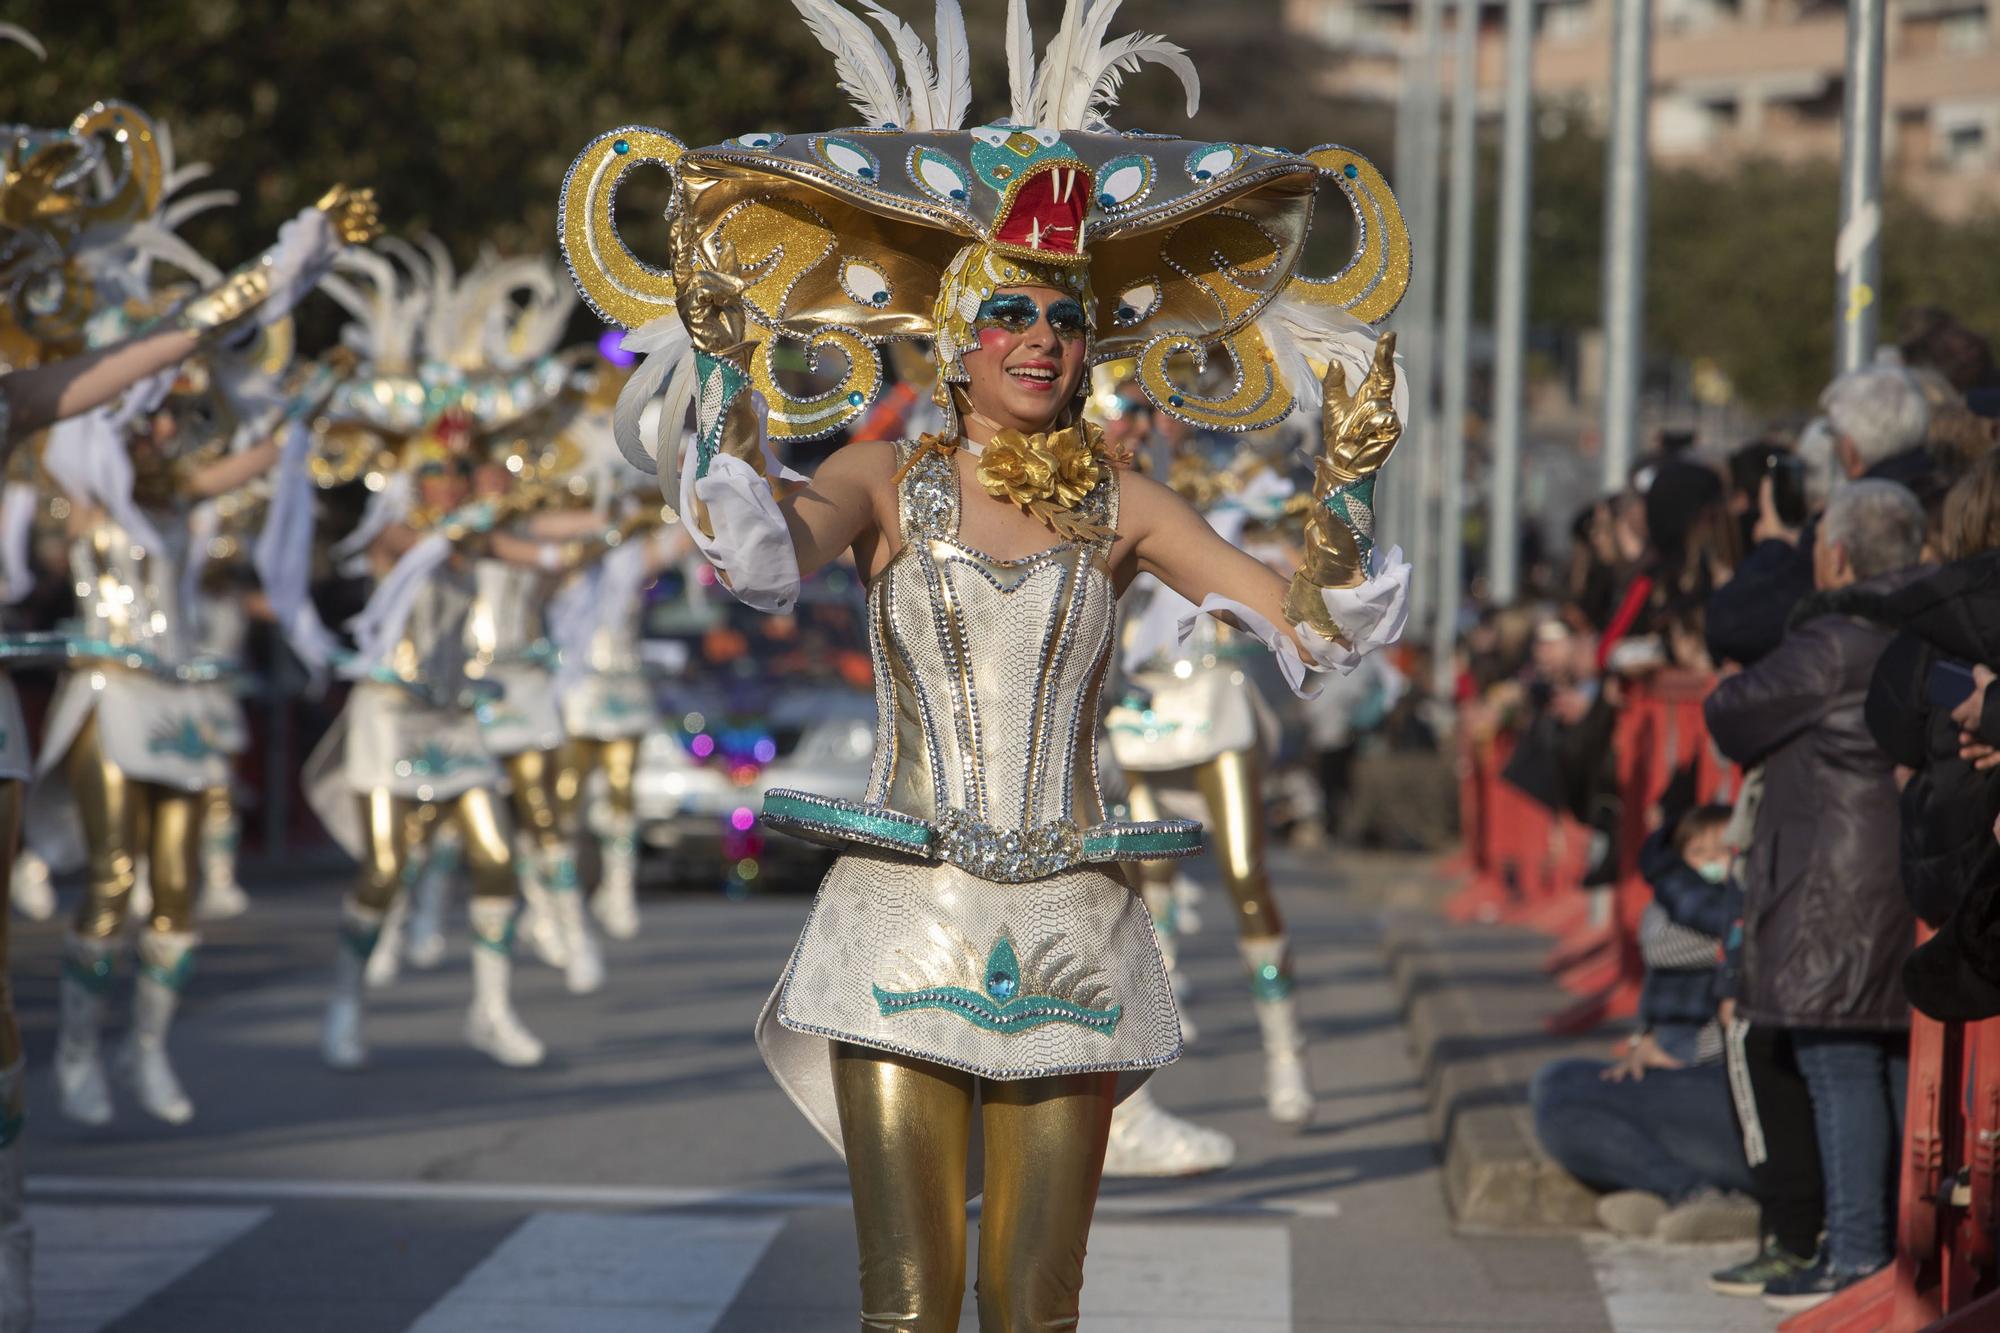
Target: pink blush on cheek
995 339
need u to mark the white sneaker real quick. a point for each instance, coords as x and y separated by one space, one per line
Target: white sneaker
1288 1092
1148 1140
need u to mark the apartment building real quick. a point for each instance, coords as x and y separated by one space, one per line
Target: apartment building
1731 77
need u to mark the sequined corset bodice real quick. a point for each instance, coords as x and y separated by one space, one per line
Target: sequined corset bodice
128 596
987 671
987 682
506 620
432 651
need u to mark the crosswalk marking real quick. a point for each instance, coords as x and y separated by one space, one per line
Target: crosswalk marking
606 1273
1159 1278
96 1263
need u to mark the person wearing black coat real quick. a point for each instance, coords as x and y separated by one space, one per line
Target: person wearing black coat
1826 923
1948 806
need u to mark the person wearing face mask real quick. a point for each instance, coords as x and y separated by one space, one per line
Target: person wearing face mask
1653 1127
976 947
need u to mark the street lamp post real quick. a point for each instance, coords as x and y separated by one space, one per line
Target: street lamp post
1510 317
1625 235
1858 256
1417 318
1457 330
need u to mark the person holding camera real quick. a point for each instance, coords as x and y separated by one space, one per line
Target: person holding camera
1826 927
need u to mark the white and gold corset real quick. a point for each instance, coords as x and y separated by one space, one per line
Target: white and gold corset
128 597
432 653
988 676
507 622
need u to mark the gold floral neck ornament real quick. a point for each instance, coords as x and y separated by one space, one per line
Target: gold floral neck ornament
1047 475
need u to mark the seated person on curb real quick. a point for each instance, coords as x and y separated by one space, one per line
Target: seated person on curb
1654 1128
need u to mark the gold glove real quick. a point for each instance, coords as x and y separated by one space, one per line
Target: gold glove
1361 431
354 218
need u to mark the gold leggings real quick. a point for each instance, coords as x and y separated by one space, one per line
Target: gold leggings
1231 786
906 1124
13 793
582 756
124 819
535 777
397 826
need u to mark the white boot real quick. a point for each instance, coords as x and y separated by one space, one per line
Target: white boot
537 926
165 961
1162 904
341 1044
17 1305
1147 1140
491 1025
1188 894
82 1091
616 902
139 903
584 971
222 897
1288 1093
385 960
423 939
33 887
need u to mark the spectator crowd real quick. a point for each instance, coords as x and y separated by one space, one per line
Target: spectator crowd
1835 593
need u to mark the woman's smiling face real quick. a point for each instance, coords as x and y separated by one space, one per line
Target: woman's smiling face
1030 359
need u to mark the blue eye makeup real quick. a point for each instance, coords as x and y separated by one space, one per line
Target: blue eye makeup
1017 312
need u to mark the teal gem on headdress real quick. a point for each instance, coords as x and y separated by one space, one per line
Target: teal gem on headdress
1003 971
1350 171
621 147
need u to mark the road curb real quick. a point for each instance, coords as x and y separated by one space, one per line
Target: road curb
1472 1001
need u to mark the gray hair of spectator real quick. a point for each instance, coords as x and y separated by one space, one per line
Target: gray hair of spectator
1815 447
1880 410
1880 523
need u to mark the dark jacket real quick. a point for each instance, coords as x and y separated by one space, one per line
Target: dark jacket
1682 994
1826 926
1948 807
1746 616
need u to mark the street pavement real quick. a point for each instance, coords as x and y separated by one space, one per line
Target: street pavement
652 1177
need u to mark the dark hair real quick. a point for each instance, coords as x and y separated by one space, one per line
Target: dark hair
1702 819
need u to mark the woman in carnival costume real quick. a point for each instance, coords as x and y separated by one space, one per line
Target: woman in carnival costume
974 944
606 699
1194 729
54 193
408 753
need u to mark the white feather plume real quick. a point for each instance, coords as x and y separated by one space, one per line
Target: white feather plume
1301 335
10 32
664 345
1109 68
867 75
919 78
1020 63
954 67
1064 62
180 210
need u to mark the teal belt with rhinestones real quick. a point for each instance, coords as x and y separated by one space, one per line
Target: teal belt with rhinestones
1006 856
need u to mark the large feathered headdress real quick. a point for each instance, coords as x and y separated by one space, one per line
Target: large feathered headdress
847 237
